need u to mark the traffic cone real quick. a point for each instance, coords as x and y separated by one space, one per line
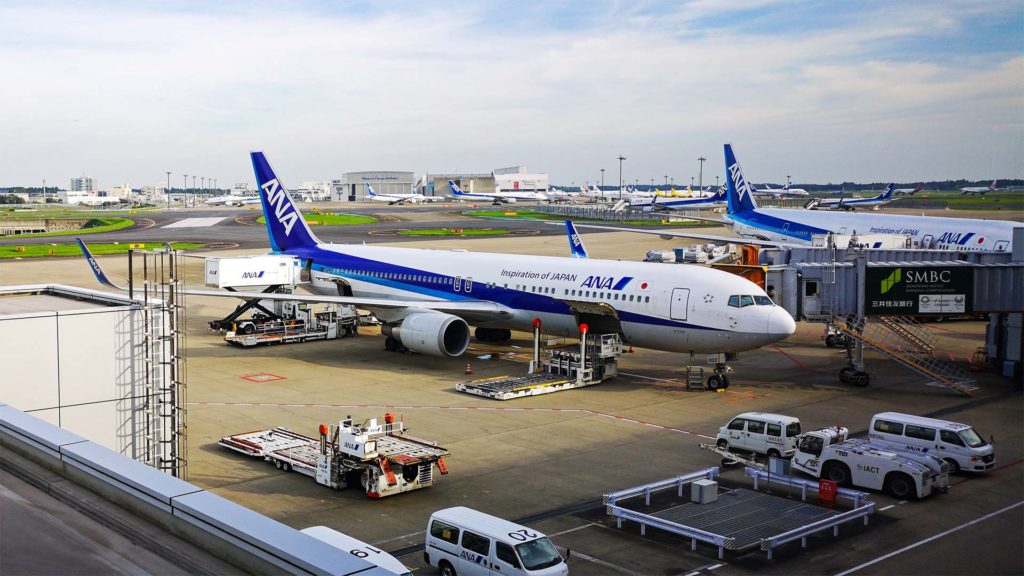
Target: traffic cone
469 369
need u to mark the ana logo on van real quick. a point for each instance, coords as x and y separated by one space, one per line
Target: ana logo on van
283 209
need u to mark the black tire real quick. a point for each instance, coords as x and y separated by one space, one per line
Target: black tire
774 453
723 445
900 486
830 341
446 568
248 329
861 379
277 463
836 472
845 374
286 467
725 382
954 468
390 344
714 382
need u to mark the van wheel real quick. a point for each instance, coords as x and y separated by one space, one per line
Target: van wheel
837 472
900 485
954 468
773 453
446 568
723 445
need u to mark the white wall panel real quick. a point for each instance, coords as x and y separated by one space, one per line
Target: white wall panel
87 358
28 362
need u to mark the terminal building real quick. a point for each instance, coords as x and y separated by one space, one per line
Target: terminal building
352 186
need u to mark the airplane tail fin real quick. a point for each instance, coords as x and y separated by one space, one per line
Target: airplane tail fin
995 185
285 224
740 196
575 242
369 190
887 193
456 190
101 276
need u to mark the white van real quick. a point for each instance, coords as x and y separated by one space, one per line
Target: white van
358 548
464 542
761 433
955 443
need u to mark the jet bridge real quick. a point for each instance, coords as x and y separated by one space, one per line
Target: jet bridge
875 297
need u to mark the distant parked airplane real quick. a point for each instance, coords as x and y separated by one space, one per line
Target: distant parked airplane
908 191
497 197
979 189
410 198
853 203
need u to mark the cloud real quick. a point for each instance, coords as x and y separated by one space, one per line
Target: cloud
124 92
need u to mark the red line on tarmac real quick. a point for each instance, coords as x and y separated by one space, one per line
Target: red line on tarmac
1003 467
797 362
489 408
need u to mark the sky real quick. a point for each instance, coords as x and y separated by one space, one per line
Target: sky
824 91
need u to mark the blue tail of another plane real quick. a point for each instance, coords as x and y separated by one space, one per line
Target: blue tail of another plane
285 224
369 190
455 188
575 242
739 194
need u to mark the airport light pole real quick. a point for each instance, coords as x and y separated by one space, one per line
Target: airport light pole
193 191
691 182
184 188
602 177
168 189
716 183
621 158
666 179
700 173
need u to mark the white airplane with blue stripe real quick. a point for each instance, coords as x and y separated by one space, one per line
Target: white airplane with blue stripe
427 299
801 226
497 197
853 203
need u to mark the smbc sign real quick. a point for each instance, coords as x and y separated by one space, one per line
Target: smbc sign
891 290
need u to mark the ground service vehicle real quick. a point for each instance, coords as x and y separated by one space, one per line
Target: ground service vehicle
464 542
957 444
381 458
761 433
358 548
828 454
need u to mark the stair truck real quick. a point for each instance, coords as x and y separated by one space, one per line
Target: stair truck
383 459
829 453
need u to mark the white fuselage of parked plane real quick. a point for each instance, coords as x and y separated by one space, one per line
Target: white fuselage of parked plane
671 308
960 234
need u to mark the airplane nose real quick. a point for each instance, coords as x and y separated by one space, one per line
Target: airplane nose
780 323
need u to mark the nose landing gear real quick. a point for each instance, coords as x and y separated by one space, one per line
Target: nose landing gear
719 380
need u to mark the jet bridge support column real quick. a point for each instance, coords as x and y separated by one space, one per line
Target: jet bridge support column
583 353
858 351
535 365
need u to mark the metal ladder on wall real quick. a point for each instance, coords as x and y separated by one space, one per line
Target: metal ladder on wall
165 426
891 337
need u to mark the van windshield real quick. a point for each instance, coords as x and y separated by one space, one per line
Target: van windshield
972 439
537 554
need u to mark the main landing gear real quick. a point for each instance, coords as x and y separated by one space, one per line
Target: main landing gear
392 344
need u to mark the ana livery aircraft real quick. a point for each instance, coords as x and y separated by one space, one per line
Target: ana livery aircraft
428 298
410 198
799 227
497 197
853 203
979 189
908 191
697 203
779 192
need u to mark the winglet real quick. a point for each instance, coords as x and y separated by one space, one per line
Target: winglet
101 277
575 242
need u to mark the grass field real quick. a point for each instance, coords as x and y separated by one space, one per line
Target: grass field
43 250
93 226
332 219
528 215
454 232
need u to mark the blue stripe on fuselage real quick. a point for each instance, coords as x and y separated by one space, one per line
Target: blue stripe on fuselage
756 219
335 263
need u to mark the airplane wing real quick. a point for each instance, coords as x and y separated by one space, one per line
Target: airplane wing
467 309
695 236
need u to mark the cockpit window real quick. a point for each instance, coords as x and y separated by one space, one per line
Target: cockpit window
734 301
746 301
763 301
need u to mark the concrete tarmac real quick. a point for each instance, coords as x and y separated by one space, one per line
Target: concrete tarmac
548 459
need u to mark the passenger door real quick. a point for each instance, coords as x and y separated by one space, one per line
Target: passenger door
680 303
757 440
475 558
505 562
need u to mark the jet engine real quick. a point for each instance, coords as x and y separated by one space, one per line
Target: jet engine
433 333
